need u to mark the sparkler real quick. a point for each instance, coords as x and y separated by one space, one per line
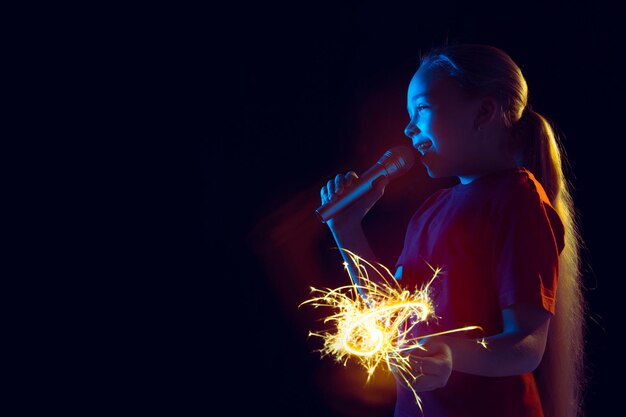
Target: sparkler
375 321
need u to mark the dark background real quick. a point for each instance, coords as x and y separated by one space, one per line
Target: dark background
171 160
302 93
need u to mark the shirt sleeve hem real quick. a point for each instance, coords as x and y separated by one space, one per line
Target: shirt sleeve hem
543 300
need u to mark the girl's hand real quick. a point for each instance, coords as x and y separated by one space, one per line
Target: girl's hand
356 211
432 367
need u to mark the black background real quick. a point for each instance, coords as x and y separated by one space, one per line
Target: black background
310 92
172 161
273 101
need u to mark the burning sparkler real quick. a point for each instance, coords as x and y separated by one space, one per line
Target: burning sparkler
375 320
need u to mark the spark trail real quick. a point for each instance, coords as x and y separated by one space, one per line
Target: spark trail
374 321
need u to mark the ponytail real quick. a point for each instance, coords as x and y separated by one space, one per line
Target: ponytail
560 374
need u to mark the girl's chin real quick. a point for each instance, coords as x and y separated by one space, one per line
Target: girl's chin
432 171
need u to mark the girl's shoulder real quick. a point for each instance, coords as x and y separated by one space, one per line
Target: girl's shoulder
524 200
517 184
524 186
514 189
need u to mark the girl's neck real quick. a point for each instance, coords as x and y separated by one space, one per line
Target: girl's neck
501 166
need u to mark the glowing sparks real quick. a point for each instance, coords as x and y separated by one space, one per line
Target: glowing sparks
375 321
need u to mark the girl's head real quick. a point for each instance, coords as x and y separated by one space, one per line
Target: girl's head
469 113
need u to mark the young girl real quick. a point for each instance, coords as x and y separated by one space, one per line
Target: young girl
504 237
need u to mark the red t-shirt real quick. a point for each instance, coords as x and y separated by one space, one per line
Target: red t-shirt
497 240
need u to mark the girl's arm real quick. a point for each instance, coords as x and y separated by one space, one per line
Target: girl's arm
518 349
346 226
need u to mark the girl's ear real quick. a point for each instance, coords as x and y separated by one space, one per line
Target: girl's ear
487 109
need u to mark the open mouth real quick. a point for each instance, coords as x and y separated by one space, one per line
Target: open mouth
422 147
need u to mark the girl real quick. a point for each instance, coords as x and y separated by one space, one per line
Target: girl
504 236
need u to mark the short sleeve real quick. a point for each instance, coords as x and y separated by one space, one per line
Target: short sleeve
529 238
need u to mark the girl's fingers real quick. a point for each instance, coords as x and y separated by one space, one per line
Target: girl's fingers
338 184
350 177
431 366
330 189
324 194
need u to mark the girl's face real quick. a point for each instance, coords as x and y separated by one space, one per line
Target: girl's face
442 125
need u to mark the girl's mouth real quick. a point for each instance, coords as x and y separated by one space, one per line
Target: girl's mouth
422 147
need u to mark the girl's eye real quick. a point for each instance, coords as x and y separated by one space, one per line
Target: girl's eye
421 107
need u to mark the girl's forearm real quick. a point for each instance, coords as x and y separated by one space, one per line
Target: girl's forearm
503 354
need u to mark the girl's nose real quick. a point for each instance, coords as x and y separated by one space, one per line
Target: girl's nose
411 130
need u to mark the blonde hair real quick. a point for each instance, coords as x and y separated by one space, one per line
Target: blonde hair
486 70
